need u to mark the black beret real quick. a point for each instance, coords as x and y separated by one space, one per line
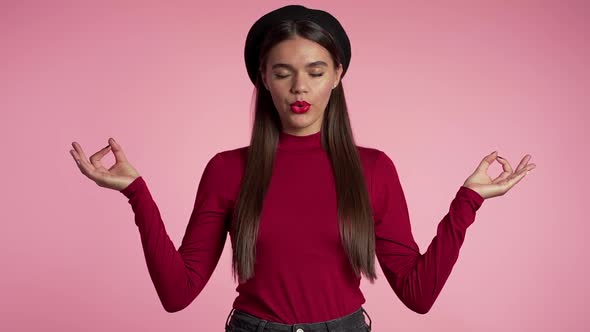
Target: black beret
294 12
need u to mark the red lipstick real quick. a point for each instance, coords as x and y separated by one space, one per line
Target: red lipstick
300 106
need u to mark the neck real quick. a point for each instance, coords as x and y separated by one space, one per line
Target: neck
291 142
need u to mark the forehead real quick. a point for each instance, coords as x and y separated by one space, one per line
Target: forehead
298 52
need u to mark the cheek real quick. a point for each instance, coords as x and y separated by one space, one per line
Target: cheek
325 90
277 90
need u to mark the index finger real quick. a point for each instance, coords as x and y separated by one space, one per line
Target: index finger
505 164
117 150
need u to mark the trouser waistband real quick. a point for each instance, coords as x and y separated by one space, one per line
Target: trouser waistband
355 319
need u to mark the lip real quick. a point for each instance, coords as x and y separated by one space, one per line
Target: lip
299 109
300 103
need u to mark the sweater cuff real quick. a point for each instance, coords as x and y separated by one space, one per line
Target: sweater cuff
133 187
471 196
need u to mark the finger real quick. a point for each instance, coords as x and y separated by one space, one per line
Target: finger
73 154
515 178
79 152
95 158
505 164
503 176
117 151
485 162
85 167
523 162
506 170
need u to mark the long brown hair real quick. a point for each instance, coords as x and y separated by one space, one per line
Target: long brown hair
354 208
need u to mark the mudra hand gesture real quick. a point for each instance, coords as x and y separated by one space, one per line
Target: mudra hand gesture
118 177
481 182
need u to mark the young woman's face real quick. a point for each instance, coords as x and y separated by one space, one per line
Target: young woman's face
300 69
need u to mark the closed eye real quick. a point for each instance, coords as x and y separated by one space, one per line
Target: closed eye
285 76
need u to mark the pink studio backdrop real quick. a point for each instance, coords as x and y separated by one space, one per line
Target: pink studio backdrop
435 85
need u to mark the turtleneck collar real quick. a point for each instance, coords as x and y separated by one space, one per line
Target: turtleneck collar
289 142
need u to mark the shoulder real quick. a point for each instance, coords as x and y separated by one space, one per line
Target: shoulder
372 158
233 158
223 165
378 167
233 161
228 167
229 163
236 158
368 153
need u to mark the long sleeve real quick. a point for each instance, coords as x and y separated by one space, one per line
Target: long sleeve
180 275
417 279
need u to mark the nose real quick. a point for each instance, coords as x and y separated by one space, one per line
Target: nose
299 83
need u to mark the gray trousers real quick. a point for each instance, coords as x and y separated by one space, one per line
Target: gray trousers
243 322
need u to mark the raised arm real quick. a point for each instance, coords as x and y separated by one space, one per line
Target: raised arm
417 279
180 275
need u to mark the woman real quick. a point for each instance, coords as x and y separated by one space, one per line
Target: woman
307 210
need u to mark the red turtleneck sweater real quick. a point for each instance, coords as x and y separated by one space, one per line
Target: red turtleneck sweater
302 273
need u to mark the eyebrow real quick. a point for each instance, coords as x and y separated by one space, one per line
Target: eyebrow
311 64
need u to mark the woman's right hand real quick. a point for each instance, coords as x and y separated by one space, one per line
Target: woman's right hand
118 177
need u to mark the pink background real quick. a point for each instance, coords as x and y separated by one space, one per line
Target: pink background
436 86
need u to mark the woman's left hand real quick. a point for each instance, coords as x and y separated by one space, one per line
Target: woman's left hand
481 182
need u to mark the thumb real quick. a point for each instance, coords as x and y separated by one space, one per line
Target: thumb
486 162
117 150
